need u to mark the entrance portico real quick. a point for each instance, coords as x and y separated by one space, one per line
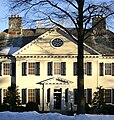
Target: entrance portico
54 93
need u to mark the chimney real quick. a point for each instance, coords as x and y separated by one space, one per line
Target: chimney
15 25
101 24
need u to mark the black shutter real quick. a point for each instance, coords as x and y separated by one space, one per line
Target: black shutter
74 68
48 95
63 68
37 96
101 65
49 70
112 96
66 95
37 68
24 68
75 96
12 69
112 69
89 95
89 68
24 96
0 69
0 96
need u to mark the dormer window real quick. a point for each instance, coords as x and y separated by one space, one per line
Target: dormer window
57 42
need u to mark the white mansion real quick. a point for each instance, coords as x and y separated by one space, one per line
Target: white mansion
43 65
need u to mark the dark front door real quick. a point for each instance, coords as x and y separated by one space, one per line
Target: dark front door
57 100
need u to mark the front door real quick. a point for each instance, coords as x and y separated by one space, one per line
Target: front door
57 98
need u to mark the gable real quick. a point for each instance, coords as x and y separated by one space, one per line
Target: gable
44 45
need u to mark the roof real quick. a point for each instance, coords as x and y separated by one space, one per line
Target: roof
103 43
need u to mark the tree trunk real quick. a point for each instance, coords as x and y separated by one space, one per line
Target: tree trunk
80 79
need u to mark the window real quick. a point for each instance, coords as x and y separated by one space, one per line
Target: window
24 95
89 95
57 68
31 68
88 68
74 68
108 95
107 68
31 95
6 68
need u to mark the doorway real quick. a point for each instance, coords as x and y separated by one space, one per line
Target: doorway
57 98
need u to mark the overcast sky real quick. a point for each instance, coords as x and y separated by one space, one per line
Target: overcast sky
4 14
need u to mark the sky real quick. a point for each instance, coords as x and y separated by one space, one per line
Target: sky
4 14
50 116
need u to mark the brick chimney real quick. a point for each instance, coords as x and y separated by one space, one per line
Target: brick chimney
15 25
100 28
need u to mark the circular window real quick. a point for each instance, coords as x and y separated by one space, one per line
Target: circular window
57 42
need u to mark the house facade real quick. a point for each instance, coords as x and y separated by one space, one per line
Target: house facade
45 71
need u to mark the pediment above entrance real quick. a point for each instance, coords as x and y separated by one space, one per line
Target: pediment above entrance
55 80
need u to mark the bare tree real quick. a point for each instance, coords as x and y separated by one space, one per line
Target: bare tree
80 13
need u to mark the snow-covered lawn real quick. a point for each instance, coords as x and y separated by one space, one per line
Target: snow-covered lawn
50 116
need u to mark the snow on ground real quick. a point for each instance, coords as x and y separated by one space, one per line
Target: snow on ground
50 116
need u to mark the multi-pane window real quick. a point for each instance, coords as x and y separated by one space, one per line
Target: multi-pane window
107 68
88 68
108 95
6 68
59 68
31 68
31 95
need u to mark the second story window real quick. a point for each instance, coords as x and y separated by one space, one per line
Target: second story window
31 68
59 68
107 68
88 68
6 68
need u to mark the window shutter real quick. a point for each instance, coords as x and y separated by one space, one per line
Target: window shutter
49 68
37 96
12 69
112 69
112 96
89 68
0 96
48 95
63 68
101 69
0 69
74 68
37 68
24 68
24 96
89 95
75 96
66 95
